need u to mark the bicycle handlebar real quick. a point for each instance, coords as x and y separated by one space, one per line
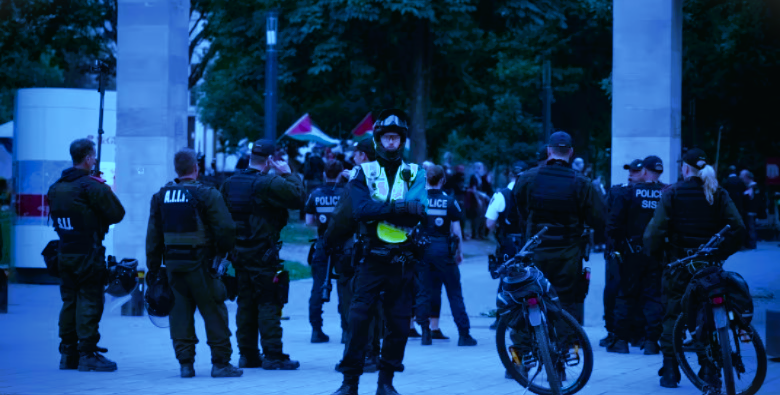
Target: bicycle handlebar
527 248
704 250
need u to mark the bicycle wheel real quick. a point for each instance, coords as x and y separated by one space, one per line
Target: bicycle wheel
749 361
547 360
572 355
725 355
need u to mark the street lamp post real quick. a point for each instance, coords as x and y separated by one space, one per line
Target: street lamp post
271 32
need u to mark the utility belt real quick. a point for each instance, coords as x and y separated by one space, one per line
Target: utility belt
632 245
185 258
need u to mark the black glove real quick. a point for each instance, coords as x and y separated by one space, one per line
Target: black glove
412 208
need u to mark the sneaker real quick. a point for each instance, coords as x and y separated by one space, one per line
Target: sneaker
187 370
318 336
619 347
226 370
437 335
94 362
413 333
651 348
605 342
250 362
280 364
466 340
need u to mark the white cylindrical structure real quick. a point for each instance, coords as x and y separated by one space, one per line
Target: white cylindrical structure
46 122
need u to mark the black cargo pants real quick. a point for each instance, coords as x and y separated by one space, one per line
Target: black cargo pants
394 282
259 310
639 291
82 286
192 290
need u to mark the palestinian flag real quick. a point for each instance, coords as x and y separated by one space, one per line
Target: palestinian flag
365 128
305 130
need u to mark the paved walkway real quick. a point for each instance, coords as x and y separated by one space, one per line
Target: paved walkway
29 357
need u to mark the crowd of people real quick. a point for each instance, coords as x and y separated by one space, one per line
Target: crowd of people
391 232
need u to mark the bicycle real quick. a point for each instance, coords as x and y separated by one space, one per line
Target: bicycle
716 311
541 333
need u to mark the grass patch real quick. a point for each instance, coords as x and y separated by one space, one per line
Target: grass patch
491 313
297 270
296 231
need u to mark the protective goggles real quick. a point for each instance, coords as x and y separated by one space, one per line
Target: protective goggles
392 120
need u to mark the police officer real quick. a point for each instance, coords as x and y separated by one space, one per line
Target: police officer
640 274
439 264
189 226
82 207
319 208
388 200
553 195
503 217
258 199
341 235
690 212
612 282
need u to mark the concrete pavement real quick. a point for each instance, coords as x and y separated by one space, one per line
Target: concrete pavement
29 356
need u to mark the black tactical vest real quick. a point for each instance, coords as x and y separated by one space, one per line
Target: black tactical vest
183 228
645 197
693 220
238 190
553 202
325 200
508 221
75 222
438 223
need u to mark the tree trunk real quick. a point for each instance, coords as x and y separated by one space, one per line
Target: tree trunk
419 96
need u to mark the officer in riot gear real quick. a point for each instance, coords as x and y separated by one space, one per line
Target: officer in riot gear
389 200
342 235
503 216
640 274
687 216
612 258
319 209
258 199
189 225
82 207
553 195
439 263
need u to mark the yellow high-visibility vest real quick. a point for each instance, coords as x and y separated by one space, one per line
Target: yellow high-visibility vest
379 188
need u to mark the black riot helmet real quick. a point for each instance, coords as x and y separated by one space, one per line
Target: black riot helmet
122 276
159 299
396 121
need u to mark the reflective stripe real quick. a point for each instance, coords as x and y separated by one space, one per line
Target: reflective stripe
325 209
437 212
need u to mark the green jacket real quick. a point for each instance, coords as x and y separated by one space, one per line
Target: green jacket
220 229
272 196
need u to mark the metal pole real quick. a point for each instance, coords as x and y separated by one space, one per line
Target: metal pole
102 69
547 98
272 28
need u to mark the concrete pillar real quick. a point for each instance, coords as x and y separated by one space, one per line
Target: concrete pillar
646 84
152 72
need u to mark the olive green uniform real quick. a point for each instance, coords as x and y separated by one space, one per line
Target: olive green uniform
256 259
556 197
82 207
687 220
188 257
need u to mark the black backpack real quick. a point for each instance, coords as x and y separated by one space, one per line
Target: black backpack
714 281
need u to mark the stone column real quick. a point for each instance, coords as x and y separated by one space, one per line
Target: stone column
152 73
646 84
